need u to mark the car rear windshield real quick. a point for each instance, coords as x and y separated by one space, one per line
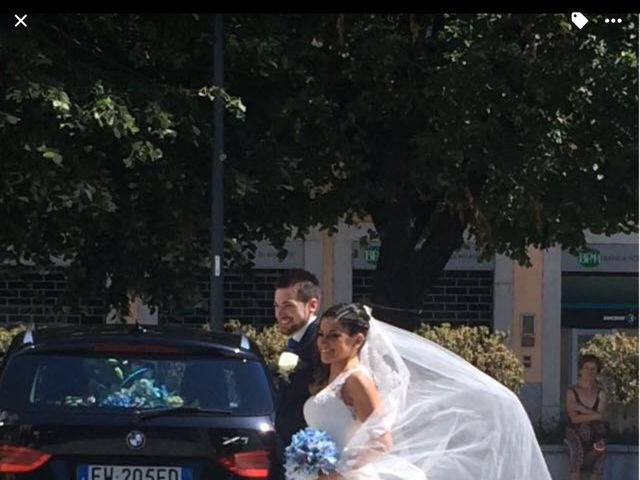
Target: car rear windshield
91 383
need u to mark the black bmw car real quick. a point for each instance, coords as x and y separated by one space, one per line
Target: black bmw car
135 403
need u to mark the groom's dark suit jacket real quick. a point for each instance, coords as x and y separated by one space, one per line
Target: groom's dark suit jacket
294 391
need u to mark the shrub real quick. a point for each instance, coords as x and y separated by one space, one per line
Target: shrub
7 334
477 345
481 348
619 355
269 339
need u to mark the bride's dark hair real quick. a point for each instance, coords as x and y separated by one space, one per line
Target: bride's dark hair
353 318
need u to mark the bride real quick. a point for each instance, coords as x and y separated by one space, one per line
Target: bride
400 407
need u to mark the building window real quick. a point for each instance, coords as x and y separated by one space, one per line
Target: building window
528 330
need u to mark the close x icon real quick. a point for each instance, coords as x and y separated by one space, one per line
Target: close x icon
20 20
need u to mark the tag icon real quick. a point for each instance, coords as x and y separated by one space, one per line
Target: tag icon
578 19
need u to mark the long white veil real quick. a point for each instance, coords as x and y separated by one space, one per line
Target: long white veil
447 419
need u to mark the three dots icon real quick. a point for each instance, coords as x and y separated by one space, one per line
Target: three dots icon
612 20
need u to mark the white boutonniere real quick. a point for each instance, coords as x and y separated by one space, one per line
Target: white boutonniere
287 363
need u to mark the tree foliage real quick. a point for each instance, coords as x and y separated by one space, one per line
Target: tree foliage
269 339
518 129
105 127
619 355
7 334
500 125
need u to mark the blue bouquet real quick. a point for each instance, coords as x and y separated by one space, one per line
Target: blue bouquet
311 453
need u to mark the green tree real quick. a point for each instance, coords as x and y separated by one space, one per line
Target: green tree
105 128
519 129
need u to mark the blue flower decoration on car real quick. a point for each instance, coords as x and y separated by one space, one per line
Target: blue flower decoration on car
142 394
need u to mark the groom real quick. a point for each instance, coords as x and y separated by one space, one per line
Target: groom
296 303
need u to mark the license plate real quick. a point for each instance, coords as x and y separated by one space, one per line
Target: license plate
132 472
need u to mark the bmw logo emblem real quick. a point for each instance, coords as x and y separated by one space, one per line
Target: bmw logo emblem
135 440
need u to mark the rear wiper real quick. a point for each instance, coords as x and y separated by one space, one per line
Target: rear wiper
161 412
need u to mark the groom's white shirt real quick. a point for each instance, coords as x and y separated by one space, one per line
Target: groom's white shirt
300 333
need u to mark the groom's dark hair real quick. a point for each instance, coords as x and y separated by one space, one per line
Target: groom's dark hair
305 283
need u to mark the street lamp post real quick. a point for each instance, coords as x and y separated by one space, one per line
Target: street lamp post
216 293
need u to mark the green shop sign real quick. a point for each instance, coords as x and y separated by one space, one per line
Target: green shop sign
589 258
371 254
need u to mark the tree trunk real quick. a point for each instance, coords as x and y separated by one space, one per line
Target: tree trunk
405 274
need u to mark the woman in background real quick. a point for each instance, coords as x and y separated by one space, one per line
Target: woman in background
586 408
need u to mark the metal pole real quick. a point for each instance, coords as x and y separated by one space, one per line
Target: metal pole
216 294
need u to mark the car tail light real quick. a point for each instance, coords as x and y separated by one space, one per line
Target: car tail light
253 464
21 459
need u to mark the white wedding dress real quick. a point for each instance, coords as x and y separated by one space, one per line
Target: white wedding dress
447 420
327 411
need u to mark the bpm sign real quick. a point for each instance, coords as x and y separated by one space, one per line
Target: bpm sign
589 258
